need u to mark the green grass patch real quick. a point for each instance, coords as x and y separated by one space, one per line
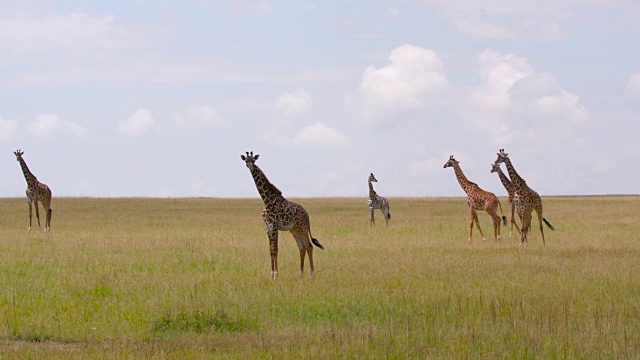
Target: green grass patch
190 279
199 322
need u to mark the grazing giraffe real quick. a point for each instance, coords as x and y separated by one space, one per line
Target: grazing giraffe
511 190
281 214
36 191
478 199
527 200
377 202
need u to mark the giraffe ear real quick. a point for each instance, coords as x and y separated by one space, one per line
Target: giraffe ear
242 157
256 157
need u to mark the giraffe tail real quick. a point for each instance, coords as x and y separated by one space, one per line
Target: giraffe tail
389 216
504 218
548 224
315 241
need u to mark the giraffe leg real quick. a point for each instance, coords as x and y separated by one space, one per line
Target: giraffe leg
526 223
302 255
523 231
30 213
37 213
385 213
47 208
273 249
475 218
305 247
513 220
48 224
372 222
310 254
496 223
523 224
471 225
539 213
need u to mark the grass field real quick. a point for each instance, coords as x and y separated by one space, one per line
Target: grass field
190 278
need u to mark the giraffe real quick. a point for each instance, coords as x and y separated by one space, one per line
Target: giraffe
281 214
36 191
527 200
377 202
478 199
511 190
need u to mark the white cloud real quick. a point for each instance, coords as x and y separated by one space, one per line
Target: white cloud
8 128
79 48
47 125
164 70
317 135
634 84
44 125
516 102
413 73
498 74
75 33
197 117
294 103
252 7
509 20
543 95
140 122
520 20
74 128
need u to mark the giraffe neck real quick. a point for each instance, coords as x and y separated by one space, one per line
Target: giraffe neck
505 181
516 180
372 193
464 182
31 179
268 191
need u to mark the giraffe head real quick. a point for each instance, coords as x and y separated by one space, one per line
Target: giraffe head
502 156
18 154
495 167
372 178
451 162
250 159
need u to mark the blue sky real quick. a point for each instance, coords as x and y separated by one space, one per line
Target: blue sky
153 98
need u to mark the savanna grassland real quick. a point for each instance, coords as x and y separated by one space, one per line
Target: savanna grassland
190 278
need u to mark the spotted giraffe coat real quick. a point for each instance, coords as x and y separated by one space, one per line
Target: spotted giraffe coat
377 202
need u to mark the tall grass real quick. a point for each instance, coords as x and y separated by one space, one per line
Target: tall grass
189 278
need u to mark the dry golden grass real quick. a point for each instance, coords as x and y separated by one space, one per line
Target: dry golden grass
189 278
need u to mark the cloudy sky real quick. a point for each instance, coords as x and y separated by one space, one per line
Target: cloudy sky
160 98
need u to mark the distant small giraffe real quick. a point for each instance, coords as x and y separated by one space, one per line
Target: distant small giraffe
478 199
511 190
36 191
281 214
527 200
377 202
